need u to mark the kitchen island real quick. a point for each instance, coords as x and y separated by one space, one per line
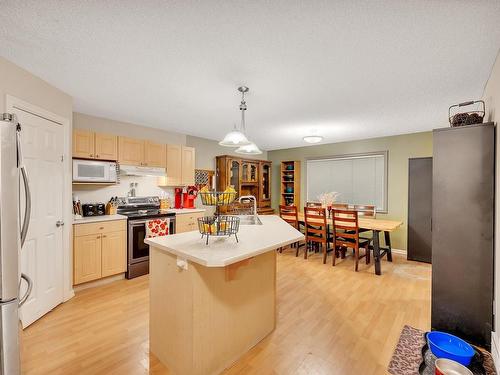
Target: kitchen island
209 304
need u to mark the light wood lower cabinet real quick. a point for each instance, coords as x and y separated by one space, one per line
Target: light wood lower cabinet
87 258
113 256
99 250
187 222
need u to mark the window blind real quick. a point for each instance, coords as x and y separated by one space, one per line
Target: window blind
360 179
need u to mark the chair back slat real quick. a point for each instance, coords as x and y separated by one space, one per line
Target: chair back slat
313 204
290 215
366 210
340 206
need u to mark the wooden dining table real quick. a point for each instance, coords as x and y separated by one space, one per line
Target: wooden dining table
376 226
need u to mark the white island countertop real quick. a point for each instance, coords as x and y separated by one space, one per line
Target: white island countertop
223 251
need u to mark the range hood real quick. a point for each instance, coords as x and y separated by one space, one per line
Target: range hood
132 170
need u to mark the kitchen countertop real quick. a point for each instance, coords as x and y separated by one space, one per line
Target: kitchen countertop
180 211
223 251
96 219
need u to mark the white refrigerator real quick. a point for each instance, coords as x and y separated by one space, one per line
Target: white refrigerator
13 230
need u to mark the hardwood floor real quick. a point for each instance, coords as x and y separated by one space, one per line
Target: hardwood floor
331 320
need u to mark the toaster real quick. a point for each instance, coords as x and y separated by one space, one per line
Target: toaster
93 209
89 209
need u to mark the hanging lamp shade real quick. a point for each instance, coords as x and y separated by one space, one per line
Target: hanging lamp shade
250 149
235 138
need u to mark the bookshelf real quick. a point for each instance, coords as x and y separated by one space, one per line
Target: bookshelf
290 183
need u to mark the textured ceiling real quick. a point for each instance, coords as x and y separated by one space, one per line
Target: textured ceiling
346 69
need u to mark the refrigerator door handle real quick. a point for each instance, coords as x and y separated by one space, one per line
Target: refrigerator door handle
29 283
27 192
27 210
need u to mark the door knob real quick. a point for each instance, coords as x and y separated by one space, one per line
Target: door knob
59 223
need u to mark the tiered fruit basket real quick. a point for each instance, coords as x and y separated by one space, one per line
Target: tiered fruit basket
218 225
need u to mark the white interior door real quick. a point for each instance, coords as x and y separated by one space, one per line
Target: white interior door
42 254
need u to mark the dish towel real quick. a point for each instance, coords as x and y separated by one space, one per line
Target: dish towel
157 227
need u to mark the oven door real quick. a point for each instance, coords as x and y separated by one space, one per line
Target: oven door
138 251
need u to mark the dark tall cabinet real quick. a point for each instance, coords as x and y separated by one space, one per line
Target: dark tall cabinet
462 231
419 245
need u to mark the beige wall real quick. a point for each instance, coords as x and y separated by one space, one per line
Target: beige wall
20 83
83 121
207 150
401 148
491 96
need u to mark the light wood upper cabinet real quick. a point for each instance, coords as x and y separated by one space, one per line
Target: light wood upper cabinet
90 145
155 154
188 163
106 146
83 144
114 253
174 165
87 258
130 151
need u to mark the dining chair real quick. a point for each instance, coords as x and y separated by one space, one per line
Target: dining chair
367 211
345 230
290 215
316 229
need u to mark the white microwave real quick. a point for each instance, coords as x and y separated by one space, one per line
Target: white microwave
94 171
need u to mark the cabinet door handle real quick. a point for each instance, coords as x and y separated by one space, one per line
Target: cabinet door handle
97 156
104 236
98 237
101 228
91 155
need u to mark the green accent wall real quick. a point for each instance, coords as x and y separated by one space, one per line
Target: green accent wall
400 148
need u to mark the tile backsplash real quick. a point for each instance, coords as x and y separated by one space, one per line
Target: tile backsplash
145 186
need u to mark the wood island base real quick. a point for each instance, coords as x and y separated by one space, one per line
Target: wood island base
204 319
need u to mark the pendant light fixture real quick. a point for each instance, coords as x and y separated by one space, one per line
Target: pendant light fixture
250 149
237 137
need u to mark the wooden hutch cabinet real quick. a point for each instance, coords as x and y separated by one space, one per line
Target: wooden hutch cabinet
248 177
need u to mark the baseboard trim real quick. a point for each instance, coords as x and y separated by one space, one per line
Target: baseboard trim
399 251
100 282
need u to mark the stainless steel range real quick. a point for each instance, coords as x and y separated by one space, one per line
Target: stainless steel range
139 211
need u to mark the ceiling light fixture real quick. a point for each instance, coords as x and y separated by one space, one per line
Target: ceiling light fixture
250 149
237 137
313 138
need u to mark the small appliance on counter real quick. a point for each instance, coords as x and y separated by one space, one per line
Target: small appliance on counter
189 197
185 197
178 197
93 209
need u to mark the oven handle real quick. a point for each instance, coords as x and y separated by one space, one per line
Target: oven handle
144 221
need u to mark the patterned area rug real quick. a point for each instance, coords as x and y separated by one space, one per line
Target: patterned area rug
407 356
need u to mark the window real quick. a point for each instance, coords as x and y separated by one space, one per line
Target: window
359 178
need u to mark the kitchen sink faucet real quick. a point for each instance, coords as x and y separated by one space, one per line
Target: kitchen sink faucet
245 199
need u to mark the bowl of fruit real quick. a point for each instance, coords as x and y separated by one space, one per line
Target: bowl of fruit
221 225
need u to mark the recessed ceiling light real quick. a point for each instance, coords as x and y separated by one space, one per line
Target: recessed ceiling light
313 138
